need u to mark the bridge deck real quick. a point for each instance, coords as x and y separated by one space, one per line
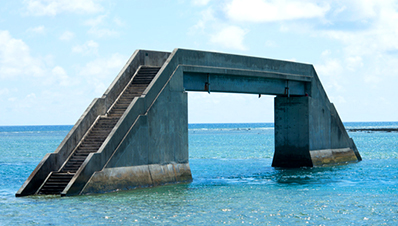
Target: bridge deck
218 79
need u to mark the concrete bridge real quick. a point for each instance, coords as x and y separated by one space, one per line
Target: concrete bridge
136 134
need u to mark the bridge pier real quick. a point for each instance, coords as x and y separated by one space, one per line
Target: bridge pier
309 133
291 132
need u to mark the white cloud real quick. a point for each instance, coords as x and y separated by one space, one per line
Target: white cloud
99 26
54 7
118 21
102 32
338 99
99 20
15 58
60 75
226 22
31 96
368 51
271 43
230 37
16 62
12 99
331 72
379 34
90 47
207 17
372 79
36 30
367 8
354 62
274 10
102 66
200 2
66 36
325 53
101 72
340 10
4 91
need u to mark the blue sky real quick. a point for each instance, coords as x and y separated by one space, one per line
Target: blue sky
56 56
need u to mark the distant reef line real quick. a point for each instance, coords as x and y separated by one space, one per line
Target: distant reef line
373 130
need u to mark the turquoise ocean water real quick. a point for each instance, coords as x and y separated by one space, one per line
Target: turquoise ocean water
233 183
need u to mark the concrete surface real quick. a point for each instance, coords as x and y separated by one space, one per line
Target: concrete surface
149 144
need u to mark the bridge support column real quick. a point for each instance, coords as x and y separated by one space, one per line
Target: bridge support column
291 132
309 132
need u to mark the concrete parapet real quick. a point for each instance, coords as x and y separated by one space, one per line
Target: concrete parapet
139 57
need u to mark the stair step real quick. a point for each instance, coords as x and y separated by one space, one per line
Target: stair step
104 125
71 168
93 139
100 131
87 143
102 128
79 156
121 107
56 174
86 149
118 109
75 161
115 115
122 104
56 183
90 145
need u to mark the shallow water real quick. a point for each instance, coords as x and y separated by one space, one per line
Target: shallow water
233 183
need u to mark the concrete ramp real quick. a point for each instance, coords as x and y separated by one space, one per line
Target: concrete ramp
136 134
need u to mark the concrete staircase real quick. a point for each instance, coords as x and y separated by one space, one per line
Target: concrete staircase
134 89
56 182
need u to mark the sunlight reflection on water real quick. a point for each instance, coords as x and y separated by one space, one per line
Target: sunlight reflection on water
233 184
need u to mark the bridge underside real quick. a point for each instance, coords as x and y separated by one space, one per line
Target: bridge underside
144 114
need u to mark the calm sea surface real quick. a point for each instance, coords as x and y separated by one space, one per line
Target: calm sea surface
234 183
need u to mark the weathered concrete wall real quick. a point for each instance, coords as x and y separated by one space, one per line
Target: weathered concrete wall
158 138
292 136
222 60
126 178
333 156
242 81
310 129
327 131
